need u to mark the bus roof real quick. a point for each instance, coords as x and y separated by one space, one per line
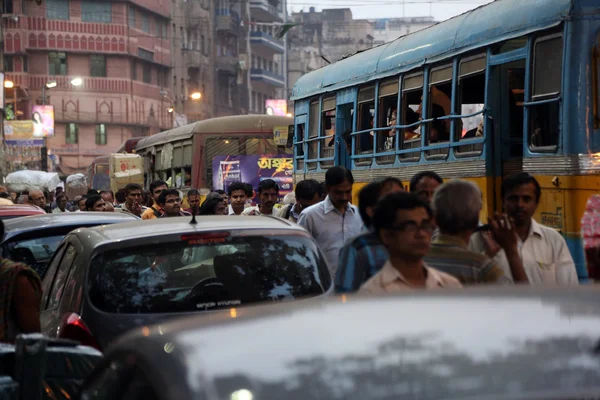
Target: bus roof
495 22
256 123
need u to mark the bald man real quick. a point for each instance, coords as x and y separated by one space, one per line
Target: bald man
37 198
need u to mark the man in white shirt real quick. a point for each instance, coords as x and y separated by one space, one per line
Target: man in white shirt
546 257
268 194
61 204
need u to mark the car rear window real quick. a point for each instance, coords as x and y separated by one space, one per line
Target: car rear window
35 252
201 274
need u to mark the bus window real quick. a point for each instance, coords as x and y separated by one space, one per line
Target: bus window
440 92
544 118
388 103
596 85
365 121
510 45
300 128
327 132
470 100
412 95
313 132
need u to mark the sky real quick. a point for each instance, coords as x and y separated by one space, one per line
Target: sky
367 9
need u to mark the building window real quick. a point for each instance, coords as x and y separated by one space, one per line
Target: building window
131 17
100 134
158 27
145 54
9 63
98 65
57 63
133 71
72 134
96 11
57 9
147 73
145 20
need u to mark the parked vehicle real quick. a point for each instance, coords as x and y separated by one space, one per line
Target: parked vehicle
32 240
104 281
19 210
36 367
506 343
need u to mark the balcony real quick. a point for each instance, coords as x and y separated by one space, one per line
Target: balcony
194 58
228 24
227 63
266 44
265 11
264 77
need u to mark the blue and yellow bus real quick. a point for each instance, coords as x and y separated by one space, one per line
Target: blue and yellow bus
509 86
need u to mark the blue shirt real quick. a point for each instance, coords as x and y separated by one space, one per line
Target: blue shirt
330 228
360 259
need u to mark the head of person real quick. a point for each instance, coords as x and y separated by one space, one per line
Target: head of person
156 188
339 181
92 192
404 224
193 198
438 130
108 196
120 196
223 196
308 192
23 199
37 198
81 203
133 194
250 191
456 207
268 192
61 201
4 195
370 194
108 207
94 203
238 194
37 118
212 206
3 189
170 202
521 194
424 184
59 190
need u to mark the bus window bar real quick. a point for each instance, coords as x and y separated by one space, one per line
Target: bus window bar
453 116
446 145
319 159
539 102
319 138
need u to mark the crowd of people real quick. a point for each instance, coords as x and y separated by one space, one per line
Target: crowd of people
427 237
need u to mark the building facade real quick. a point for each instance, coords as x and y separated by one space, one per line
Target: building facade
121 54
192 60
388 29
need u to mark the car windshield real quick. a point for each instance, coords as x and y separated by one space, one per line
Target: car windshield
35 252
199 274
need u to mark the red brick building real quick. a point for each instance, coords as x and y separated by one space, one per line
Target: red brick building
120 50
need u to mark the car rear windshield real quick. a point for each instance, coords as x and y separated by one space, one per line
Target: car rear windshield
35 252
200 274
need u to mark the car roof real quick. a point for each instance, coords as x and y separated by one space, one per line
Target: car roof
452 338
75 219
20 209
174 225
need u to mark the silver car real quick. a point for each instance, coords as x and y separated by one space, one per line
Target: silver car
513 343
104 281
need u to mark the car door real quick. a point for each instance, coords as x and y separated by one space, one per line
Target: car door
51 317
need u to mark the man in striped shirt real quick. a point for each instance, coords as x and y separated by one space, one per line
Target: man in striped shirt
456 207
363 256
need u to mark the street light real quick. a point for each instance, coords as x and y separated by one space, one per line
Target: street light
170 110
76 81
196 96
51 84
9 84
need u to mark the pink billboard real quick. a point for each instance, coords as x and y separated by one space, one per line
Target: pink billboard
43 120
276 107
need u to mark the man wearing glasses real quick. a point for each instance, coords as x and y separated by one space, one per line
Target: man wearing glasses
156 188
404 225
170 202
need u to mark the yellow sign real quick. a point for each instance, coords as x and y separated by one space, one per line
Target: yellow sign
280 164
18 130
280 135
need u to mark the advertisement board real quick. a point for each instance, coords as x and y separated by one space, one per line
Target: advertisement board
280 135
20 133
43 120
276 107
253 169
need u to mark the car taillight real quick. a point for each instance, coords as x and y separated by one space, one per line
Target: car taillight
205 238
74 328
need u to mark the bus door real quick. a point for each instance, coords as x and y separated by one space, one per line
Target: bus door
505 123
343 127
